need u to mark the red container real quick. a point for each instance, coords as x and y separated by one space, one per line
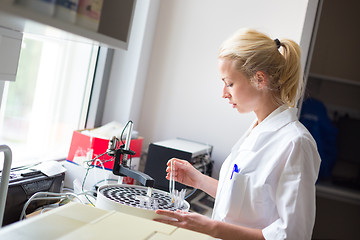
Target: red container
82 145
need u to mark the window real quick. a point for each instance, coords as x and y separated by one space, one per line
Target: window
48 100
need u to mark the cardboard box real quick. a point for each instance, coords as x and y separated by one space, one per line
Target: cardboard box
84 147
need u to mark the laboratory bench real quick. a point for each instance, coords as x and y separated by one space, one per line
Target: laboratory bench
79 221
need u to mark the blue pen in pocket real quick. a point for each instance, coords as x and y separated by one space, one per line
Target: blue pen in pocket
235 169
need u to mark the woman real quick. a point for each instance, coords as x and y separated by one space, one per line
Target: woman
266 187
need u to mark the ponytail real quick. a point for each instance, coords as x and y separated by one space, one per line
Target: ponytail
289 81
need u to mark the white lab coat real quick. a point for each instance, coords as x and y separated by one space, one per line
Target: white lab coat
274 189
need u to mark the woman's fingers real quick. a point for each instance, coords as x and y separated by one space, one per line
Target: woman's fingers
167 213
173 217
179 218
169 161
177 161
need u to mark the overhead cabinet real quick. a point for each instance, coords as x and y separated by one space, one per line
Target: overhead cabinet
104 22
10 46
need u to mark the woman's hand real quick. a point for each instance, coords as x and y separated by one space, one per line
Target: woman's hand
200 223
185 173
189 220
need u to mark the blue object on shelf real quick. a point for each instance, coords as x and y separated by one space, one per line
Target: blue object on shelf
315 118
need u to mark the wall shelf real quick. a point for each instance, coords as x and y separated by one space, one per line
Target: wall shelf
329 190
111 33
335 79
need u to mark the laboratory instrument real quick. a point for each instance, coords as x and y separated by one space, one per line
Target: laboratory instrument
134 200
137 200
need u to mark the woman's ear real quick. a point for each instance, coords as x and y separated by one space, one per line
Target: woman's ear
260 79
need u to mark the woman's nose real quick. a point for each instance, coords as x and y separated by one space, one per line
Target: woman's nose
225 93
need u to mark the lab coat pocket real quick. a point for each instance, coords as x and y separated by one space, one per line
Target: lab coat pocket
232 197
260 204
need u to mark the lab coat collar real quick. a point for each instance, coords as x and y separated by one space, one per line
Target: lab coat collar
277 119
280 117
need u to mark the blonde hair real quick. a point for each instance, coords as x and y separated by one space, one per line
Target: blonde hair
254 51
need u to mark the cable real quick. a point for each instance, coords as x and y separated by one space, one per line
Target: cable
91 161
88 193
48 196
22 215
46 209
122 133
193 191
68 189
108 179
82 187
91 164
101 163
75 196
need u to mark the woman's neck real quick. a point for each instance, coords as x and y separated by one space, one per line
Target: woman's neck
264 111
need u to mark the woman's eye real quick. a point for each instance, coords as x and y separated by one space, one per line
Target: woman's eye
229 85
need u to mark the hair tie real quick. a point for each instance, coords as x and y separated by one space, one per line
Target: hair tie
278 43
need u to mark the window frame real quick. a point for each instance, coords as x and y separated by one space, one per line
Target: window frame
99 88
95 106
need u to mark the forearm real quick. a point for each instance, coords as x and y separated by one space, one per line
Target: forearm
200 223
226 231
208 185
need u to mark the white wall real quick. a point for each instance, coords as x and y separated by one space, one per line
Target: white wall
182 95
129 67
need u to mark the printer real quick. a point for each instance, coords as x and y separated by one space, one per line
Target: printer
23 183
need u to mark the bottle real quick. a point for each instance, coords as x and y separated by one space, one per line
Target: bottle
89 12
45 7
66 10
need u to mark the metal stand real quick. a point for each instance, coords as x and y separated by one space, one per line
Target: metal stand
4 179
120 165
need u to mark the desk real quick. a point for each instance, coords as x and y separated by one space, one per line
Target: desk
78 221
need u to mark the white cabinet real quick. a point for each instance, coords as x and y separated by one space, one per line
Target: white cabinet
10 45
113 28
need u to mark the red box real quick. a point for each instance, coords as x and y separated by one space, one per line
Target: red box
82 145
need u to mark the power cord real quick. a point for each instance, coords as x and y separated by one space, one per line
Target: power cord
48 196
